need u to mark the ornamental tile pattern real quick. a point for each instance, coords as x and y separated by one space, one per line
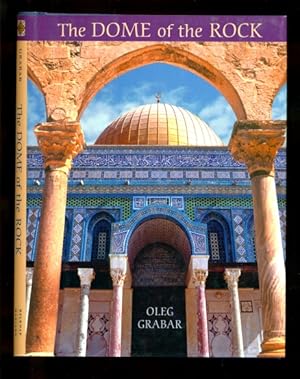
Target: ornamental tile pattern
117 244
239 175
164 211
110 174
33 174
199 243
118 207
165 157
159 174
246 306
141 174
32 228
239 230
207 174
77 174
94 174
126 174
176 174
155 175
223 174
192 174
98 334
140 202
188 179
77 235
248 234
150 188
195 207
281 174
158 200
219 334
177 202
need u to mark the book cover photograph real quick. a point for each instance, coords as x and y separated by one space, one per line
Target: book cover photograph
150 186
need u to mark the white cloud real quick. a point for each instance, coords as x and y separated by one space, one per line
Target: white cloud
220 117
175 96
100 114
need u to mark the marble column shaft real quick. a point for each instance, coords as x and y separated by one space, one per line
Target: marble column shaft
269 255
199 278
45 288
59 143
86 276
118 278
256 144
232 276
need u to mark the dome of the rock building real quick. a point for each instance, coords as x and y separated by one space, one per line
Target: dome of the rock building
159 124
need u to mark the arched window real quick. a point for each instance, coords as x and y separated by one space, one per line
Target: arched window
216 241
219 239
101 240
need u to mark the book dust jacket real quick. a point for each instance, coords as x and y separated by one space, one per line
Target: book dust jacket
150 204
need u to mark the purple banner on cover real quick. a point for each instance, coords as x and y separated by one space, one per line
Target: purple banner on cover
102 27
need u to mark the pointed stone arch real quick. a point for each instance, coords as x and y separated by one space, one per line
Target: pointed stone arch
170 54
69 74
196 233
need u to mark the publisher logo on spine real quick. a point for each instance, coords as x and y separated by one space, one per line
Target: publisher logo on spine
21 28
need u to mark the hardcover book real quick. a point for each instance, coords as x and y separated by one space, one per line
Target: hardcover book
150 185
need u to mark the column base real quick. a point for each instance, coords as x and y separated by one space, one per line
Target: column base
39 354
273 348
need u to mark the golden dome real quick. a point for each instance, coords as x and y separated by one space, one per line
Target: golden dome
159 124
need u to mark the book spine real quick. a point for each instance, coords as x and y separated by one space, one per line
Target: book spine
20 201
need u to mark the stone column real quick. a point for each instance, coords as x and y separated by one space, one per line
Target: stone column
256 144
86 276
232 276
29 274
118 269
196 324
59 142
199 278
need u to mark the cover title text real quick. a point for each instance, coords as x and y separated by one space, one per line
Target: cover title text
146 30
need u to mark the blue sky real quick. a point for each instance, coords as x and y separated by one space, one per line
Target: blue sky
176 86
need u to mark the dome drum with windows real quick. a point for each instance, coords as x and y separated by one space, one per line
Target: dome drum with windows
159 124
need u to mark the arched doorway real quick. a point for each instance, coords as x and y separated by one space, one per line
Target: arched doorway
158 253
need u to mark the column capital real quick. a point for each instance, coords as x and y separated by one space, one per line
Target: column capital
197 262
231 276
59 142
199 277
29 275
118 277
256 143
86 276
118 268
